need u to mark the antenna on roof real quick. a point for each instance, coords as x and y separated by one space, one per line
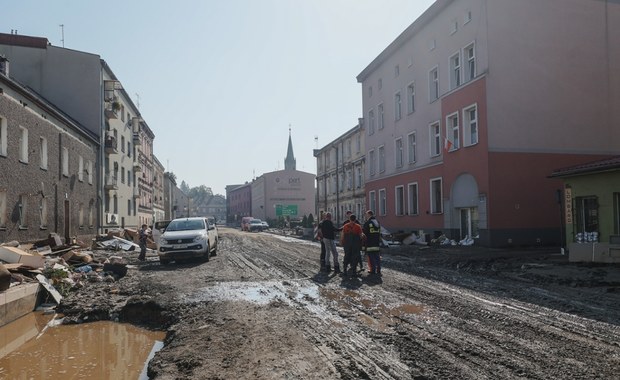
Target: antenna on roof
316 141
62 32
138 100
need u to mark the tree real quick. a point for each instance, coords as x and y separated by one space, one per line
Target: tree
200 194
184 187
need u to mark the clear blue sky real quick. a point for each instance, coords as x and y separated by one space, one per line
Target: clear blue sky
219 82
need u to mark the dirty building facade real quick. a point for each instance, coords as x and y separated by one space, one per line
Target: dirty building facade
47 169
470 109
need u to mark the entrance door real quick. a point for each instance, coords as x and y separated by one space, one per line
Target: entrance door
67 222
469 222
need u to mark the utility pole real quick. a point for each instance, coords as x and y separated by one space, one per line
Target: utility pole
62 31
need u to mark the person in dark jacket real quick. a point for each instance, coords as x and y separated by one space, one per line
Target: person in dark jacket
142 237
372 230
319 236
328 233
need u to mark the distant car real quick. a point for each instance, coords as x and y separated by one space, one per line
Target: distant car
245 223
265 225
185 238
256 225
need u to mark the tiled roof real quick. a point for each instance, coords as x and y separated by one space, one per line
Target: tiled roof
611 163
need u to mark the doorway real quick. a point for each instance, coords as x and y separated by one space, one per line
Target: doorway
469 222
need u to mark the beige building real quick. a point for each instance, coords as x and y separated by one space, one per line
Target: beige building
340 175
145 184
159 212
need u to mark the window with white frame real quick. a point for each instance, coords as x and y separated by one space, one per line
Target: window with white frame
349 180
380 83
452 131
435 139
128 177
398 152
372 201
436 196
358 143
396 71
455 70
23 145
89 171
382 202
467 16
381 159
398 107
412 199
349 150
411 148
359 181
23 211
334 183
433 84
122 174
411 98
470 126
43 150
381 114
2 209
371 162
470 56
3 136
80 169
371 122
91 215
341 187
399 200
65 161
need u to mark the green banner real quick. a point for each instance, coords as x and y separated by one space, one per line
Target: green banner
286 210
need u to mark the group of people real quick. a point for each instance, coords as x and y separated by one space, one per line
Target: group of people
354 238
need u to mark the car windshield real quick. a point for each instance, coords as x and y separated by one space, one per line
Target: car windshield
255 221
186 225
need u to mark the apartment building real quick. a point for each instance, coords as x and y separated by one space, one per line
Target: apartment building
471 108
159 211
84 87
238 202
47 168
340 175
146 180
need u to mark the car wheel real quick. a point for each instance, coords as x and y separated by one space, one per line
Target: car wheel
207 254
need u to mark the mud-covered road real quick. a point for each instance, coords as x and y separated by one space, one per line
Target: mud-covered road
260 309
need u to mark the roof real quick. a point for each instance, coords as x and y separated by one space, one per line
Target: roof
598 166
27 41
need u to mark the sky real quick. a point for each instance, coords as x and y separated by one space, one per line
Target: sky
220 82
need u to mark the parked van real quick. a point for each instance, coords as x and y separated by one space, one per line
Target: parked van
245 223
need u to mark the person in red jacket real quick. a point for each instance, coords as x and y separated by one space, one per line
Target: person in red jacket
351 241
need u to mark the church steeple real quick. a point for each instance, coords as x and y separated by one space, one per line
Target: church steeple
289 161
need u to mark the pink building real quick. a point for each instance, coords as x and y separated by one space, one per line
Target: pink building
238 202
471 108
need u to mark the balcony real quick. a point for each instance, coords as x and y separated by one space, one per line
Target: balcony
136 192
111 182
136 139
111 145
137 166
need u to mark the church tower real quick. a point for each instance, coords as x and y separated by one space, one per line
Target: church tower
289 161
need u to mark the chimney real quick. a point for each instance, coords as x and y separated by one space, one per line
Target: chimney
4 65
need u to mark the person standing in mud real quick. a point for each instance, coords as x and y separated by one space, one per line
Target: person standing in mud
358 259
328 231
319 236
143 235
351 241
372 230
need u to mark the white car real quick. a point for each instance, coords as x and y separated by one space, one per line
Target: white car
185 238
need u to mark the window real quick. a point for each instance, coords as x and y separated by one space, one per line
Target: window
81 216
467 17
122 112
23 145
455 70
2 209
411 148
358 143
372 201
129 177
396 71
381 159
80 169
371 122
380 84
412 194
436 196
89 172
369 91
399 195
381 114
23 211
65 162
411 98
129 207
91 215
470 126
397 106
371 162
454 26
358 182
382 203
470 56
398 152
342 180
587 214
3 137
43 149
122 174
433 84
349 180
435 139
128 148
334 184
123 144
452 132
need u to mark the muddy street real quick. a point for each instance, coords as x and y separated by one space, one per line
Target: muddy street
260 309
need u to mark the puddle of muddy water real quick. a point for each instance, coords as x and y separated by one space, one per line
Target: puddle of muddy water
33 348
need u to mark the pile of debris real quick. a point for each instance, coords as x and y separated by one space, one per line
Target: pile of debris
61 267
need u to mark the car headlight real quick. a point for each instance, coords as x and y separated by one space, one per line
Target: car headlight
200 238
163 241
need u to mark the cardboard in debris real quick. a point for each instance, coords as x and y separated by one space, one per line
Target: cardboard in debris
44 250
50 288
14 255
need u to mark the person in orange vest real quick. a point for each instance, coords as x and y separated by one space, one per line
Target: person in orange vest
351 241
372 230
